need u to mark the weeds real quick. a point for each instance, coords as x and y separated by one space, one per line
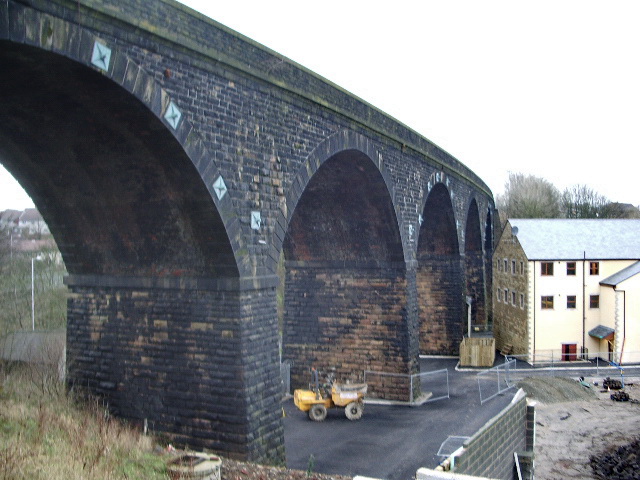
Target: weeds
311 464
49 434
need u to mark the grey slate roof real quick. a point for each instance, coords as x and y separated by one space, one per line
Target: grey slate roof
571 239
622 275
601 332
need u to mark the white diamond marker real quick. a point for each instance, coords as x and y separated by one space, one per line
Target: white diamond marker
101 56
220 187
256 221
172 115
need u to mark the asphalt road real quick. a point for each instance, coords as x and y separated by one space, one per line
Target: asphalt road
389 442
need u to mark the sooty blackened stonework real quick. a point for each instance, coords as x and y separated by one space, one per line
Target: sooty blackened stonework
176 163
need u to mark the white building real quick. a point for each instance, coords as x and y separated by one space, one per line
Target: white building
567 289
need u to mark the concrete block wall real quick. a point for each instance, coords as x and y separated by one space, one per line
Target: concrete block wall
489 453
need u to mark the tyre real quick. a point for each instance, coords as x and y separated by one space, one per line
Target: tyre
354 410
318 412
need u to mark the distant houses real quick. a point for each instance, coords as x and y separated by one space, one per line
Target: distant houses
26 223
566 290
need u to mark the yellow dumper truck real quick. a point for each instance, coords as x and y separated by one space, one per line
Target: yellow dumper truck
317 400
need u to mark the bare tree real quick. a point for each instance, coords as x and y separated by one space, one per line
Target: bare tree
581 201
528 196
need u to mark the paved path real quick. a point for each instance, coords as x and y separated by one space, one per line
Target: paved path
390 442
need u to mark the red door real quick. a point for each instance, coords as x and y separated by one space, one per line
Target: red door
569 351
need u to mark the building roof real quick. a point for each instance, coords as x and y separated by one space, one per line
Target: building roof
622 275
574 239
31 215
8 216
602 332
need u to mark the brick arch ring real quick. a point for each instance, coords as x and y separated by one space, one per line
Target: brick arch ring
336 143
38 29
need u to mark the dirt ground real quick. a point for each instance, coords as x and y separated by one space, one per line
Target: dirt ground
232 470
573 423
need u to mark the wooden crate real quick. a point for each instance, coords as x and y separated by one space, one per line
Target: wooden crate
477 352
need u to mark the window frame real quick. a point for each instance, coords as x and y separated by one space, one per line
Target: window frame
546 302
522 301
575 302
594 301
594 268
546 269
571 269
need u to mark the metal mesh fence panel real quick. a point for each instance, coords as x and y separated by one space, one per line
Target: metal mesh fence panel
495 381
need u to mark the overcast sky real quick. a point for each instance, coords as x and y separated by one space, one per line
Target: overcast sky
550 88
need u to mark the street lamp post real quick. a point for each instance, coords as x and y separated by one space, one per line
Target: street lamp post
33 293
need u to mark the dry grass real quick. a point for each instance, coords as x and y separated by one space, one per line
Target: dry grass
50 434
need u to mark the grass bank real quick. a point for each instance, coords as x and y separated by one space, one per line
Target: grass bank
47 433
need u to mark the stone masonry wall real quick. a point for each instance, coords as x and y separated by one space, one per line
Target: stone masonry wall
178 358
439 284
510 324
474 273
348 319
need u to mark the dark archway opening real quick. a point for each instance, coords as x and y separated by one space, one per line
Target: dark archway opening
117 190
439 277
345 288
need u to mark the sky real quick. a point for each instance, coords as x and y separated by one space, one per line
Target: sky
547 88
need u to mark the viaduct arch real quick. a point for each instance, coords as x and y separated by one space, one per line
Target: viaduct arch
175 161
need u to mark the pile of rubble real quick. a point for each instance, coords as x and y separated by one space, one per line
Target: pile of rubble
622 463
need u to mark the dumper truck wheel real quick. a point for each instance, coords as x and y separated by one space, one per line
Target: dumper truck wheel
354 410
318 413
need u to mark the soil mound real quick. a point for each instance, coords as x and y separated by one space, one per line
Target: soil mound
556 389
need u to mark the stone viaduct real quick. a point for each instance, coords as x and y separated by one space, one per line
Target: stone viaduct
184 170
